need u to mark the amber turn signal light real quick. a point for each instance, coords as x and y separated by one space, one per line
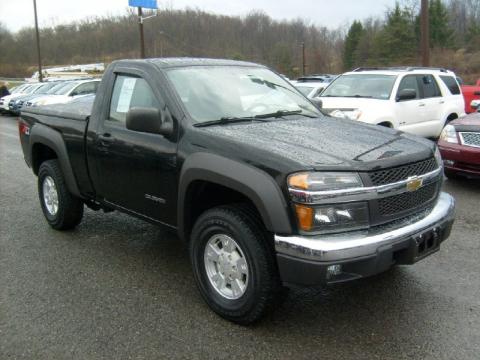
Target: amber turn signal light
304 216
299 181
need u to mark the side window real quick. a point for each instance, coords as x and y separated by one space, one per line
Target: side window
451 83
409 82
85 88
129 92
429 86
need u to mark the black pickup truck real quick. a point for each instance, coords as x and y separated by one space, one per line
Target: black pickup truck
265 189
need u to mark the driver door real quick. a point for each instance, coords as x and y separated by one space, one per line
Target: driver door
409 113
136 170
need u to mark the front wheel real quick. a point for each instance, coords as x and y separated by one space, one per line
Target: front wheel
61 209
233 264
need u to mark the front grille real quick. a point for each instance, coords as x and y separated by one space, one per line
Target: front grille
400 173
470 138
407 201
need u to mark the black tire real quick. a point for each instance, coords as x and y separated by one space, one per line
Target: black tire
263 289
70 208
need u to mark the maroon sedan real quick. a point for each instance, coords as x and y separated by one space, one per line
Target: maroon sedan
459 145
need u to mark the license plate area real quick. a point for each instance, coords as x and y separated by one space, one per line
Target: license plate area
426 243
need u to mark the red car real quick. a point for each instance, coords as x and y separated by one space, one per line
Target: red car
459 145
470 92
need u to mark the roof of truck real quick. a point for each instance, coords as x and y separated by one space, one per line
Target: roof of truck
186 61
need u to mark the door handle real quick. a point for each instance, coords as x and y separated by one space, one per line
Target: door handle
442 102
421 104
106 139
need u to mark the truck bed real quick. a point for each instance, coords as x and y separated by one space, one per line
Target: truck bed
79 109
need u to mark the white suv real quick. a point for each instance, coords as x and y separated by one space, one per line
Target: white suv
412 99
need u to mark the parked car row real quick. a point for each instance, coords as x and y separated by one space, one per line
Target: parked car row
51 92
312 85
428 102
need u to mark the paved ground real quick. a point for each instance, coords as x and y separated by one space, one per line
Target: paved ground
119 288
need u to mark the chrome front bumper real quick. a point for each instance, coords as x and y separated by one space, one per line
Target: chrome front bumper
352 245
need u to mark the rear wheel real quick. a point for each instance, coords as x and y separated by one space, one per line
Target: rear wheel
233 264
61 209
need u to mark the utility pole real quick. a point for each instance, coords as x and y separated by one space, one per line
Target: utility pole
425 34
40 75
142 38
304 66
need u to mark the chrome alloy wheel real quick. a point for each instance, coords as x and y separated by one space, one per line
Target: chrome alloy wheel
226 266
50 195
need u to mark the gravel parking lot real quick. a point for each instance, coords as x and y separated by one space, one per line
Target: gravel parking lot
119 288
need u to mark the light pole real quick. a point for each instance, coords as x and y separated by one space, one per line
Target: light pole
304 65
40 75
425 34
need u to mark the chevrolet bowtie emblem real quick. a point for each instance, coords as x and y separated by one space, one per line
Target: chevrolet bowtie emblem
414 183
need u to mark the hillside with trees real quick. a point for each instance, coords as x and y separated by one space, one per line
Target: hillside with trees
392 40
454 37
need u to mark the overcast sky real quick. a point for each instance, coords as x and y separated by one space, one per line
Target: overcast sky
16 14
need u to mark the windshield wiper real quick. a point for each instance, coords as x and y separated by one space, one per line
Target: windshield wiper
360 96
281 113
228 120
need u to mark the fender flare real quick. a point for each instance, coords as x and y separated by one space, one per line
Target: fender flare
253 183
41 134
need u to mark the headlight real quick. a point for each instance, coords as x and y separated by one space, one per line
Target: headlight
347 114
332 218
39 102
321 181
449 134
438 156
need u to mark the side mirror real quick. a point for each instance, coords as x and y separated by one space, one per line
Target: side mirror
73 94
148 120
317 102
406 94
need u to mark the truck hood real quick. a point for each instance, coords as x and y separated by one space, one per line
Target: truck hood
322 143
467 123
350 103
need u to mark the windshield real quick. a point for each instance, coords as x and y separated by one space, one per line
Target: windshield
215 92
31 89
305 90
57 87
362 86
18 89
44 88
66 88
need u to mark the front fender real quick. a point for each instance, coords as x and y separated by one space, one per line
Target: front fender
253 183
41 134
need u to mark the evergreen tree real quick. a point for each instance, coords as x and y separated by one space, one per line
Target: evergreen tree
441 34
351 45
396 42
472 38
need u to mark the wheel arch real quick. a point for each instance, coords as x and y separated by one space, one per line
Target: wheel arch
452 116
387 123
249 183
47 144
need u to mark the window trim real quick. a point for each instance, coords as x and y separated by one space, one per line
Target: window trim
442 78
420 85
420 92
133 74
